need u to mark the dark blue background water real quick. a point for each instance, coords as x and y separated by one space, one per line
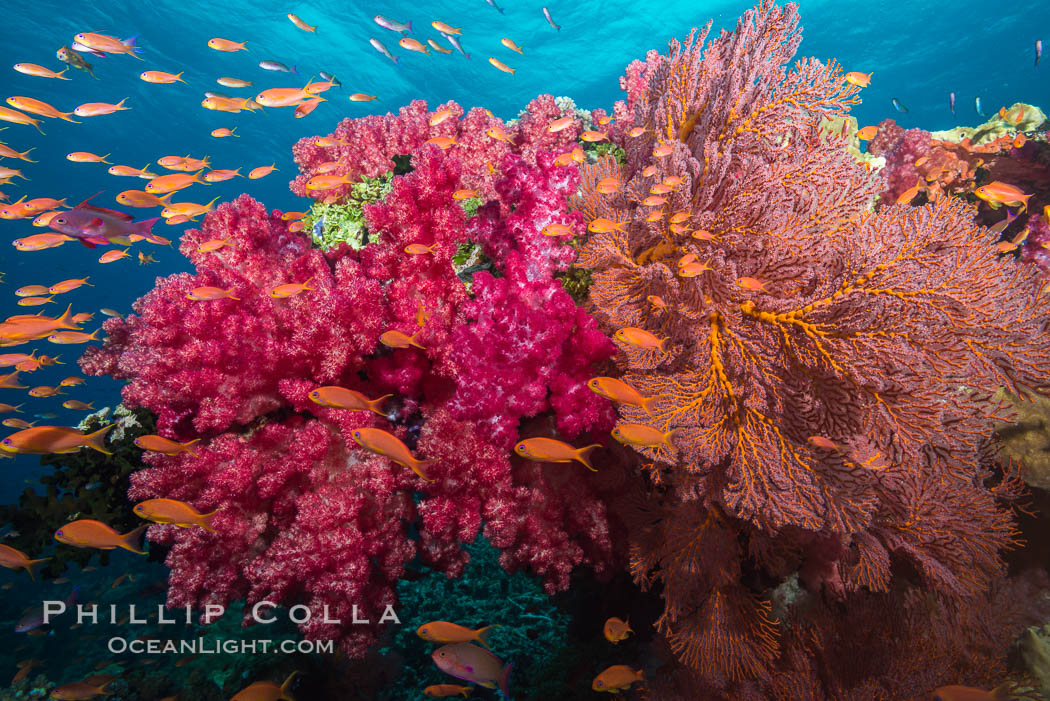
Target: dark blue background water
918 51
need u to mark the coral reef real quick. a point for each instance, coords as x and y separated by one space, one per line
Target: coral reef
305 514
811 359
340 222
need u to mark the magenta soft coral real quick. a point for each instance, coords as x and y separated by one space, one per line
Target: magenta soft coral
307 516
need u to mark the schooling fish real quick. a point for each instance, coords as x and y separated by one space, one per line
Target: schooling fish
86 533
34 617
492 3
977 106
1038 51
392 25
378 46
951 102
266 691
474 664
96 225
277 66
455 42
330 78
87 689
550 20
899 106
15 559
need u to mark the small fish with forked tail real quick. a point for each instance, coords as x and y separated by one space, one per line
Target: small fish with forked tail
72 58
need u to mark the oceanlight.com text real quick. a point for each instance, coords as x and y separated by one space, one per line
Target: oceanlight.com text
203 646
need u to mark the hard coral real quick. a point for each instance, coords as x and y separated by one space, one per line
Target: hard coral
812 370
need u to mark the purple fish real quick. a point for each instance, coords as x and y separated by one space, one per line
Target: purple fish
378 46
455 42
473 664
550 20
96 225
277 66
392 24
493 4
951 101
1038 51
34 617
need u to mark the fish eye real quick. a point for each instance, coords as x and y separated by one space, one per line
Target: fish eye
600 683
61 220
59 532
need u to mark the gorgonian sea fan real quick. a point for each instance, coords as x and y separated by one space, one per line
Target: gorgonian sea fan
829 371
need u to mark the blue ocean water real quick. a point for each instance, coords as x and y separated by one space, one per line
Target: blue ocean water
919 53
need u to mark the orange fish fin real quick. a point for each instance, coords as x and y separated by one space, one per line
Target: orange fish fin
285 694
187 444
667 438
33 567
206 520
647 404
417 467
132 540
97 440
583 455
374 404
482 635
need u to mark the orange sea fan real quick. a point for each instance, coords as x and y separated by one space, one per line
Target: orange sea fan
826 372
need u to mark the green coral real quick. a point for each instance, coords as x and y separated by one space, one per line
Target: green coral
470 206
83 485
606 149
577 282
532 631
344 222
469 259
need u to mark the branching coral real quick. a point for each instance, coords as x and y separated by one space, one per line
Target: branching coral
815 352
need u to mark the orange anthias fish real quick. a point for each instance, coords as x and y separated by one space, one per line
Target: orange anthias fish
87 689
161 77
77 405
45 440
8 152
220 44
443 691
291 289
24 668
640 338
301 24
86 157
473 664
33 106
160 444
601 225
260 172
418 249
509 43
643 436
557 230
175 181
68 285
861 80
173 511
500 65
445 632
997 193
619 391
87 533
387 444
97 109
40 71
16 117
14 559
397 339
113 256
224 132
445 28
616 630
617 678
551 450
336 397
559 124
108 44
266 691
218 176
207 293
